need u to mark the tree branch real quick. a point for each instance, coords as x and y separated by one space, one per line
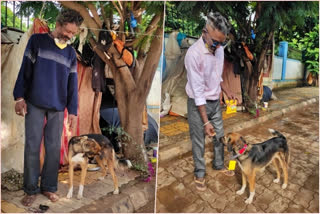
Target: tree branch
137 5
241 26
151 63
147 33
94 12
104 16
141 59
151 28
121 28
117 8
263 53
121 7
138 12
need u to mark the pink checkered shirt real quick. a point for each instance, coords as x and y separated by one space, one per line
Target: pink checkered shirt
204 72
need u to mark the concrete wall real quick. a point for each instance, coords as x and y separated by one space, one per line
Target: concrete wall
294 70
293 77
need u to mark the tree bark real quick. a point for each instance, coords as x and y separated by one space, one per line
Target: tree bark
103 12
253 73
94 12
136 101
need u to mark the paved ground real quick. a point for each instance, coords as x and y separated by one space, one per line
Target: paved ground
176 191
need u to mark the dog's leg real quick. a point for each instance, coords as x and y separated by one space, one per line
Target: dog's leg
84 167
102 166
277 180
251 180
285 170
110 164
69 195
244 184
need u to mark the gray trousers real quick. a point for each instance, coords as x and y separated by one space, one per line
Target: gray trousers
197 135
34 129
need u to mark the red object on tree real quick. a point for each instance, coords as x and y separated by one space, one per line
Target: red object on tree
246 49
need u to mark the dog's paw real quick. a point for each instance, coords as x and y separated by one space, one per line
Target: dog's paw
240 192
277 180
79 196
116 192
101 178
284 186
80 193
248 201
69 195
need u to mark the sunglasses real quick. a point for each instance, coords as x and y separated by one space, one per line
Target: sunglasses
215 43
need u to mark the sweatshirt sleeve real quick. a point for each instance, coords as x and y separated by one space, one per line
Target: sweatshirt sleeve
196 78
72 104
26 69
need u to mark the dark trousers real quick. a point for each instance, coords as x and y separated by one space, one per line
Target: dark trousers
197 135
52 132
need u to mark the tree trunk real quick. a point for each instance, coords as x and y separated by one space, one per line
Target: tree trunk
133 103
252 74
131 90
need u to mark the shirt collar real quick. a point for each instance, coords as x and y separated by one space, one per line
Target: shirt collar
203 47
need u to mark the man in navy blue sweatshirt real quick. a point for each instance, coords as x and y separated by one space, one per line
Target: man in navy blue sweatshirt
47 83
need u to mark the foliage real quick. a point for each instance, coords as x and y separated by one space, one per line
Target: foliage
262 17
10 18
311 48
177 19
153 7
122 135
33 8
304 38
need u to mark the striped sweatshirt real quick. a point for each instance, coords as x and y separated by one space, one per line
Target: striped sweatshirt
48 75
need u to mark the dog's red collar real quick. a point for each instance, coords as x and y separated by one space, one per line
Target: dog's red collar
241 151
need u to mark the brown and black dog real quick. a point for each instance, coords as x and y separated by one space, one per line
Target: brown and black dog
83 147
254 157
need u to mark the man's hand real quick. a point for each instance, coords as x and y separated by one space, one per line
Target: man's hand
231 95
72 121
21 107
209 130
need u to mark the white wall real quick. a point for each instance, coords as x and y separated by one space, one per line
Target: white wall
153 98
294 70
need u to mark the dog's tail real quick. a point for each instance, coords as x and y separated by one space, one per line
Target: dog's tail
284 146
276 133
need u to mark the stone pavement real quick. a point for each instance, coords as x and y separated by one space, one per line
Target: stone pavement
176 191
98 197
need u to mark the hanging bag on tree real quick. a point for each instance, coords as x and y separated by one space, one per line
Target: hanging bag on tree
246 49
125 53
